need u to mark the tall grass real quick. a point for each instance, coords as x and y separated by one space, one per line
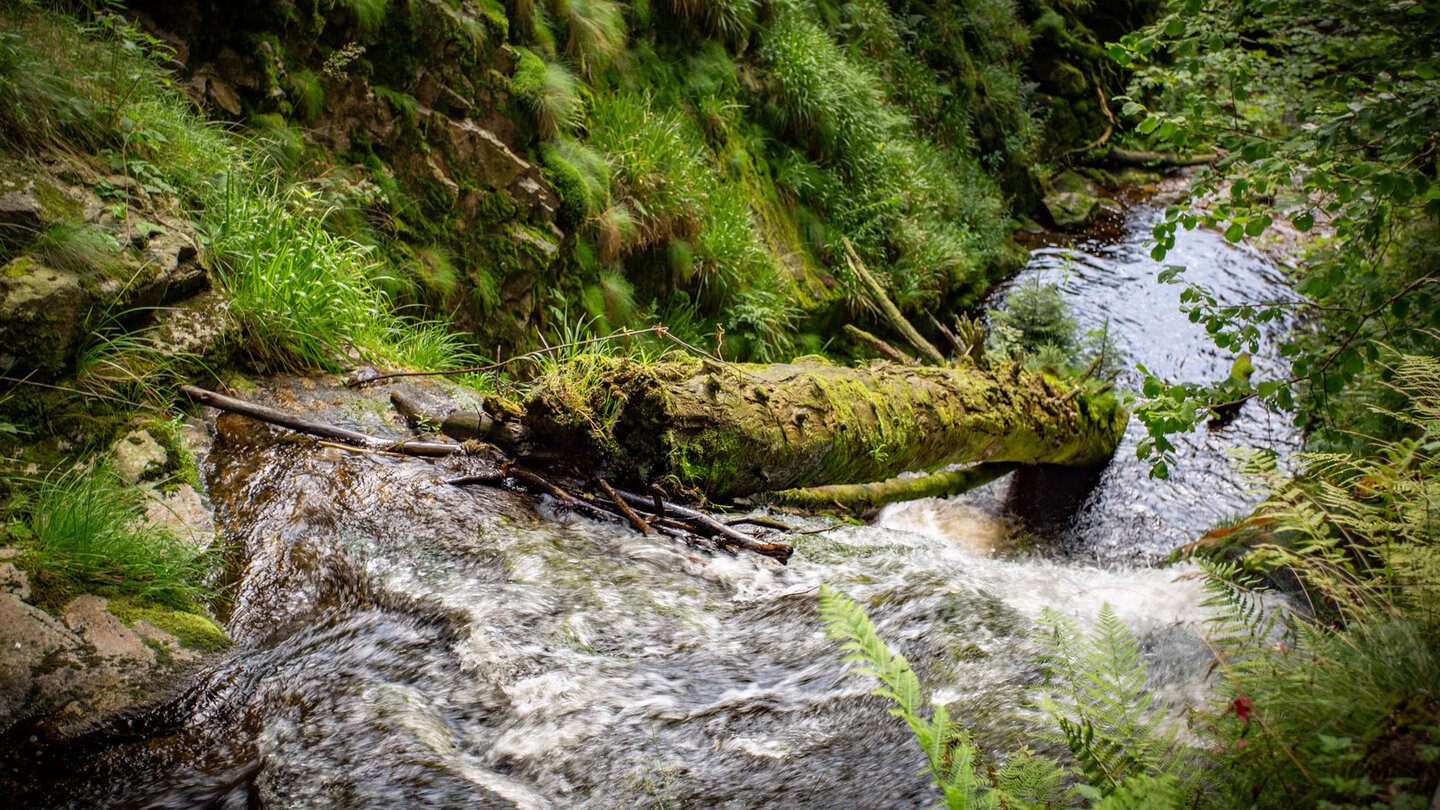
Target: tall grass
307 298
97 87
86 526
551 91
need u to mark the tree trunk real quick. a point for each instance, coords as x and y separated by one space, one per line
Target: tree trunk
736 430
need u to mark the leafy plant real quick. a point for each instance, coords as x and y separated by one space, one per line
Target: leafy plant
951 754
1323 126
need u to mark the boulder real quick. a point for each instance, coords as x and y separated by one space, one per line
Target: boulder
1070 210
137 456
42 314
21 217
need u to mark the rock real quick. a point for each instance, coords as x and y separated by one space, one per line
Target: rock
195 325
1070 210
166 641
138 456
185 513
12 553
14 581
29 637
1067 80
21 218
171 270
87 617
1136 176
1073 182
223 96
42 312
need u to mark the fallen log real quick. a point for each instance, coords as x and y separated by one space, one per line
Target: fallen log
1131 157
857 498
733 431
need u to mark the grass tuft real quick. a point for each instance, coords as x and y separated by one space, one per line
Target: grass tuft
86 526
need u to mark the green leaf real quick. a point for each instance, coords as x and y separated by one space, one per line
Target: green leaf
1304 222
1119 53
1235 232
1148 125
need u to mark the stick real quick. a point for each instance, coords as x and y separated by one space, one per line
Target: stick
714 528
879 345
278 417
888 308
635 520
755 521
960 348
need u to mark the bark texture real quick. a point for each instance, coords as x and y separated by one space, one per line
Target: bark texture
737 430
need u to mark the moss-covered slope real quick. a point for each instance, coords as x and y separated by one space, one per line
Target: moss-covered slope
525 166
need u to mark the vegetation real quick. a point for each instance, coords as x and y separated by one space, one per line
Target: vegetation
86 528
1326 113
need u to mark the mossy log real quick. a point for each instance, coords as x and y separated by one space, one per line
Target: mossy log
858 498
738 430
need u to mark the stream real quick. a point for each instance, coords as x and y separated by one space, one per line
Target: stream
404 643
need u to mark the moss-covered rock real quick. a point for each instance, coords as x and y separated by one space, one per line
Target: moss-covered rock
42 314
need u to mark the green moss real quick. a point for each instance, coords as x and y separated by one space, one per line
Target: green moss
194 630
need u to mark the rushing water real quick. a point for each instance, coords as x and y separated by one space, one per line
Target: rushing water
407 643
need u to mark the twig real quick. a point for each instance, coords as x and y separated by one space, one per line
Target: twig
755 521
879 345
278 417
350 448
635 520
714 528
888 308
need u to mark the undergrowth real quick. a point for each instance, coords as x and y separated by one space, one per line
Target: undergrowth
1330 698
85 528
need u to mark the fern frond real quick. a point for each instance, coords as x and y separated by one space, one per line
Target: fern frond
1094 690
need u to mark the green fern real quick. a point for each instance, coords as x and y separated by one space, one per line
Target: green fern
953 758
1095 691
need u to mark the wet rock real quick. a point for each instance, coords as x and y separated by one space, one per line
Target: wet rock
109 636
30 639
14 581
42 312
137 456
165 641
1071 210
